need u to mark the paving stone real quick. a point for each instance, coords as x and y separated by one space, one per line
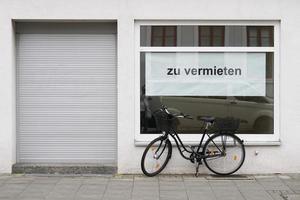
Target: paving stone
120 183
294 185
273 183
256 195
145 198
95 190
30 198
20 180
87 198
277 187
150 181
70 180
248 184
63 191
5 176
221 184
170 178
113 195
36 191
225 194
278 195
194 178
196 184
172 187
46 180
209 196
173 195
95 181
145 189
11 190
145 178
293 197
144 194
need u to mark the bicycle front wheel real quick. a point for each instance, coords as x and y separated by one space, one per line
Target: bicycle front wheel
224 153
156 156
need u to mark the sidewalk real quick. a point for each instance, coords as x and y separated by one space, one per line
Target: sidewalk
138 187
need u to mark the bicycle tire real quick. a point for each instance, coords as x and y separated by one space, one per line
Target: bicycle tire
240 153
168 154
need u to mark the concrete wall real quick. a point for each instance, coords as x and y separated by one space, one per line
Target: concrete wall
283 158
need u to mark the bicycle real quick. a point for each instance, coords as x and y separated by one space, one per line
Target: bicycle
223 153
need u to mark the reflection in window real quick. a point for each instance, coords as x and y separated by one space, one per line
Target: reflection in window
211 35
254 99
192 36
163 35
260 36
269 66
256 113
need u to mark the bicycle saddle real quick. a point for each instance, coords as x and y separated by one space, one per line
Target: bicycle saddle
207 119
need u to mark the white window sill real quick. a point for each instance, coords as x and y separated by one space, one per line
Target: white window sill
247 143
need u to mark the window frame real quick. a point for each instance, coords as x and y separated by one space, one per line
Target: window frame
250 139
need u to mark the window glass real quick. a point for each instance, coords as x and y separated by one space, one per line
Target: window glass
211 35
255 113
163 35
253 99
269 66
261 36
204 41
252 36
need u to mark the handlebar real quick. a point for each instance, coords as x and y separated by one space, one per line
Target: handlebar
181 115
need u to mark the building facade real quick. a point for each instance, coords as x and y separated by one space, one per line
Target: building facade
80 79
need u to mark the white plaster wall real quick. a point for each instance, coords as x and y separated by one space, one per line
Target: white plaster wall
283 158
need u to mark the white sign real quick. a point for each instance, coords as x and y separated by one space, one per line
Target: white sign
205 74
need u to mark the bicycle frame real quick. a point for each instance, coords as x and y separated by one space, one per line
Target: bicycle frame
180 144
198 154
195 156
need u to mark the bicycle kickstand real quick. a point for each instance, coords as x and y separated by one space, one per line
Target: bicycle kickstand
197 169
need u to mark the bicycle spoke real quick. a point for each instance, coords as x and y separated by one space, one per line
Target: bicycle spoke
232 154
155 156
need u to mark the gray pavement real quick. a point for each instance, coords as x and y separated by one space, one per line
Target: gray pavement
137 187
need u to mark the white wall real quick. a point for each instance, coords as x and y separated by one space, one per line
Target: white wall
283 158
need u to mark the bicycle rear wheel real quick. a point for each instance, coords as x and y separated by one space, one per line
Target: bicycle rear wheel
224 153
156 156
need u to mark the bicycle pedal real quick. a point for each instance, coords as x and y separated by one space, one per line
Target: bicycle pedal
199 162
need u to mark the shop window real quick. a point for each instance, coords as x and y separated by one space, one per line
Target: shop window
163 35
260 36
211 35
255 109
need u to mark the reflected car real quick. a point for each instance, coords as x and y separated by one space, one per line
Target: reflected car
255 112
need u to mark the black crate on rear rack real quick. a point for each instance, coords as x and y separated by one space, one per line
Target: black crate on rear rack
228 124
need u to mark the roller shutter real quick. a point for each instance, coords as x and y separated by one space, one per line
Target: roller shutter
66 96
